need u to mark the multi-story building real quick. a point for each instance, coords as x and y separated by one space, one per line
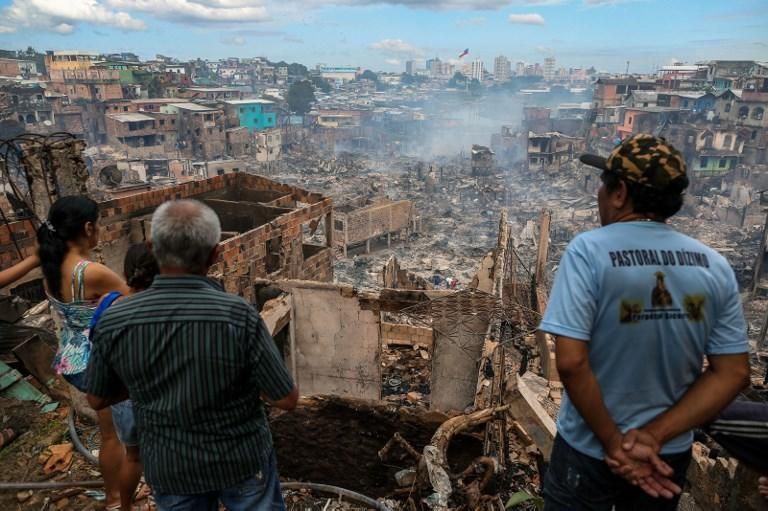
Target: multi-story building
519 68
339 73
211 93
200 129
281 74
17 68
70 60
410 66
729 74
502 68
141 135
29 105
254 114
682 77
90 84
268 145
549 69
478 70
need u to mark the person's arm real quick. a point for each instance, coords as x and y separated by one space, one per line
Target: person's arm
288 403
100 280
572 359
267 368
18 270
104 385
726 376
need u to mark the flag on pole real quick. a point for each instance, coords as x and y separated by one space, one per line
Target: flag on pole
465 52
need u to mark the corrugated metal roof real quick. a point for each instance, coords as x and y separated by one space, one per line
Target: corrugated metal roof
193 106
130 117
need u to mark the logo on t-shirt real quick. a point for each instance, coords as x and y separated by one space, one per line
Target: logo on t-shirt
662 306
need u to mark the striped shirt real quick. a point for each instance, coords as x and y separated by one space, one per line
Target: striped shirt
195 362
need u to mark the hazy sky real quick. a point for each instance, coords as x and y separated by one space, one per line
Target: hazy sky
383 34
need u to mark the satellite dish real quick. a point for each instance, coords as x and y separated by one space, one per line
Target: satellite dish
110 176
48 123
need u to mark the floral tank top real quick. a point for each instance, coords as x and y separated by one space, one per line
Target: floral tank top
74 345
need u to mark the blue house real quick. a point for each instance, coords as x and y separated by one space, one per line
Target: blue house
254 114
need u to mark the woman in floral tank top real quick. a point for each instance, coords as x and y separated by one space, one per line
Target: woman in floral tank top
74 286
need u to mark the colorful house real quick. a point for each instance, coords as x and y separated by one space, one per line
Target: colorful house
254 114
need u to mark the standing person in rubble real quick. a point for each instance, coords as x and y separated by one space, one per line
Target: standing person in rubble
74 286
198 364
140 269
635 307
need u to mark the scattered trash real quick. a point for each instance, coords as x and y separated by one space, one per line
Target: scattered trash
50 407
6 436
60 458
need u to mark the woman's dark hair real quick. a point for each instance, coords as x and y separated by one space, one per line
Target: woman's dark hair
140 266
645 199
66 222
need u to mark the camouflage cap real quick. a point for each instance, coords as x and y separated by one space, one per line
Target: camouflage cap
644 159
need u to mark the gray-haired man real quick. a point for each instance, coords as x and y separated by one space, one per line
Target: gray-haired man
196 362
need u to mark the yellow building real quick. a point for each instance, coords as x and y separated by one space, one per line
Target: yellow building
70 60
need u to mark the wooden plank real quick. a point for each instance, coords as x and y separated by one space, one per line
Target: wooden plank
37 357
276 314
524 406
543 252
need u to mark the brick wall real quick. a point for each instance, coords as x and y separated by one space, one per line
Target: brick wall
242 258
394 333
24 233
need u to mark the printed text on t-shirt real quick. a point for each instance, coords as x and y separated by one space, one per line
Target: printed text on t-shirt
653 257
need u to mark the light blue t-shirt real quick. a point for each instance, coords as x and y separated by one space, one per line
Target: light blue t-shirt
651 302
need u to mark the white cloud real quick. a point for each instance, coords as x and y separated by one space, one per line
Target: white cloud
235 40
393 62
200 11
62 17
396 47
526 19
437 5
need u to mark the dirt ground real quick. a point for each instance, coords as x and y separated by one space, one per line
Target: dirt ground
339 445
24 459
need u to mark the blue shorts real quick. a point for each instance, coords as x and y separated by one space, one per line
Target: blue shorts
125 423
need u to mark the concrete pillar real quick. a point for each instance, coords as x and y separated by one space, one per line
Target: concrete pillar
368 246
457 347
389 239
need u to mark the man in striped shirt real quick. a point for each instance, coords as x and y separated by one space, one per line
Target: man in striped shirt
197 363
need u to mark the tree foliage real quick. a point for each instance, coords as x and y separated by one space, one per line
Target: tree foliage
155 88
321 83
369 75
300 97
458 80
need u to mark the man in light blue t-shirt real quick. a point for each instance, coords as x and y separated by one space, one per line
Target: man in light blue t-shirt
635 308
